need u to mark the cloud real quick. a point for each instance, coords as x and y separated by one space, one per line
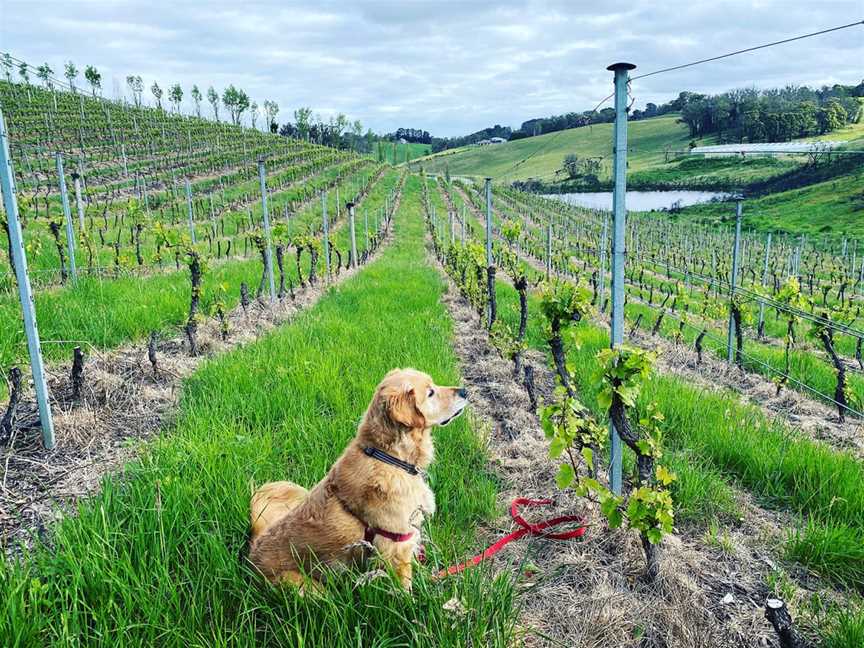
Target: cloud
448 67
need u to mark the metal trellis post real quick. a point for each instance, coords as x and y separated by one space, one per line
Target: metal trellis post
350 207
326 226
79 204
67 218
732 281
452 218
366 228
764 279
601 279
10 204
268 255
619 210
190 210
488 222
549 250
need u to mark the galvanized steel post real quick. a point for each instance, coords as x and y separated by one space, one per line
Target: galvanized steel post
268 255
25 294
326 225
733 280
619 210
366 228
488 222
452 217
190 210
601 277
764 279
79 204
350 207
67 218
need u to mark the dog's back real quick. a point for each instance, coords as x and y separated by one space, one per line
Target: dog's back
273 501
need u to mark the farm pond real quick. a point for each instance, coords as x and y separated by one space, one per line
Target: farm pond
640 200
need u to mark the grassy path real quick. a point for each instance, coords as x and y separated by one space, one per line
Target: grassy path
153 559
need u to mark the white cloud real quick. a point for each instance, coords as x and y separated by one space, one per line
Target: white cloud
450 66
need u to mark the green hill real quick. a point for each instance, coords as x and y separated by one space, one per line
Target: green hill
539 157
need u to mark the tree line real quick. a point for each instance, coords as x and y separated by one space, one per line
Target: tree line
234 100
444 143
412 135
773 115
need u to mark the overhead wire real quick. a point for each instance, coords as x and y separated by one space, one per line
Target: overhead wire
747 49
547 143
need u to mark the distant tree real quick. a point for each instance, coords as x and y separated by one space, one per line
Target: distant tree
7 67
157 94
236 101
24 73
213 99
136 86
70 71
94 78
175 96
571 165
587 169
831 116
44 72
253 112
271 110
288 130
303 119
336 126
195 93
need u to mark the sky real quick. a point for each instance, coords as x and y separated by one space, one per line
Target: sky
447 67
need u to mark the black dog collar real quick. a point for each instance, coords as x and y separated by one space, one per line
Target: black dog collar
382 456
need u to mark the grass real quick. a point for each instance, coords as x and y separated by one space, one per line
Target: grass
541 156
832 207
398 153
153 559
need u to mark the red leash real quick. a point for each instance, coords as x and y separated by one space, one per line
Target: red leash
526 528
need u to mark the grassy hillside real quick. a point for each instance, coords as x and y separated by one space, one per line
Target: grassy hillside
395 153
540 157
648 164
833 207
785 194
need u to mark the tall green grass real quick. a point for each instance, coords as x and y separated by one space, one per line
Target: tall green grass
154 559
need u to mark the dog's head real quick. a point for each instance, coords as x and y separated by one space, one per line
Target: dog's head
409 399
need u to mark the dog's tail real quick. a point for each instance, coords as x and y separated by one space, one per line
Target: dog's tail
271 502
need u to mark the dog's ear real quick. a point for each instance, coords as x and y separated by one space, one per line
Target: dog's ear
402 408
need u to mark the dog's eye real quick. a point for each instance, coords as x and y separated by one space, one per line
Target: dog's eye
431 393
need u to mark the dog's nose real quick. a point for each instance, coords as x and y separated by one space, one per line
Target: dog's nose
463 393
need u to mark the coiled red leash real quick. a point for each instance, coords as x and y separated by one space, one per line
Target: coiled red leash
526 528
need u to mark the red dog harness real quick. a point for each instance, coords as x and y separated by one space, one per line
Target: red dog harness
370 533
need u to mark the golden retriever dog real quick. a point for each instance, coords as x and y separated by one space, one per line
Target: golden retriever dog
375 495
